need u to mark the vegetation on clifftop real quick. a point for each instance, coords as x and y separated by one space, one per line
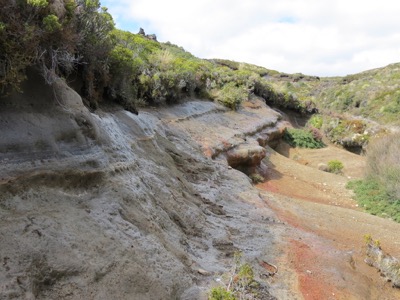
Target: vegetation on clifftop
77 40
58 38
372 94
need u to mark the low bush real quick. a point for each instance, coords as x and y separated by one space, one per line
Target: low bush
239 283
302 138
220 293
316 121
372 196
231 95
335 166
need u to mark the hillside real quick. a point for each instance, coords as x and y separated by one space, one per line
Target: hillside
372 94
131 169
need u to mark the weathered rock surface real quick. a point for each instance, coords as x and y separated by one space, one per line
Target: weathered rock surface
117 206
388 266
246 157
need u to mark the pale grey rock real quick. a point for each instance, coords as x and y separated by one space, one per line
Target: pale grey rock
110 205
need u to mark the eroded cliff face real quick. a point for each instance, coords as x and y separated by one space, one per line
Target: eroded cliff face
110 205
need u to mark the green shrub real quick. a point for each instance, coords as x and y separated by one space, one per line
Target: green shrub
301 138
245 275
114 64
37 3
220 293
238 283
231 95
316 121
58 41
335 166
51 23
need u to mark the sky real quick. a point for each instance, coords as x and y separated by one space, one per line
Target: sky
313 37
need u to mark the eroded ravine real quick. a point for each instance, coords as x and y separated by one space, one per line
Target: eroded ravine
323 228
110 205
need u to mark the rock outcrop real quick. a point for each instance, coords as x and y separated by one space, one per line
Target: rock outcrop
110 205
246 158
149 36
388 266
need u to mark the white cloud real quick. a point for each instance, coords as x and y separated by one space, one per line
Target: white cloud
309 36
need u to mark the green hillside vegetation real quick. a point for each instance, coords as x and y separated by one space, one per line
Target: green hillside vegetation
77 40
372 94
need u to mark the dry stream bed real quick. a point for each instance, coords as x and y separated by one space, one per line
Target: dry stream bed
324 242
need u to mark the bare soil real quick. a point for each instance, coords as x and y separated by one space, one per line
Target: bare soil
325 244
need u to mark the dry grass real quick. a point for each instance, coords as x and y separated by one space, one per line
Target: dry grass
383 162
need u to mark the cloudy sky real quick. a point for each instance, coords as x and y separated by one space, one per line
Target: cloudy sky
314 37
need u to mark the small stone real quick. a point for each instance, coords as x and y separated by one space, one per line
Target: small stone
203 272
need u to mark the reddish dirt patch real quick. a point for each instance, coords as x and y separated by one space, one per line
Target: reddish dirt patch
325 246
312 284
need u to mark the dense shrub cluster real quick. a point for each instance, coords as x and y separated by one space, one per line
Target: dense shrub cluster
372 94
76 39
57 37
302 138
28 32
345 130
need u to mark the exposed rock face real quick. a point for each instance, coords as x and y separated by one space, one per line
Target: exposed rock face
246 157
117 206
149 36
388 266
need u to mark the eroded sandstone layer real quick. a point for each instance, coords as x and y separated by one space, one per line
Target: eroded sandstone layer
110 205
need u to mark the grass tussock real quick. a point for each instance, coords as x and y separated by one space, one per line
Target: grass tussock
239 283
384 163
